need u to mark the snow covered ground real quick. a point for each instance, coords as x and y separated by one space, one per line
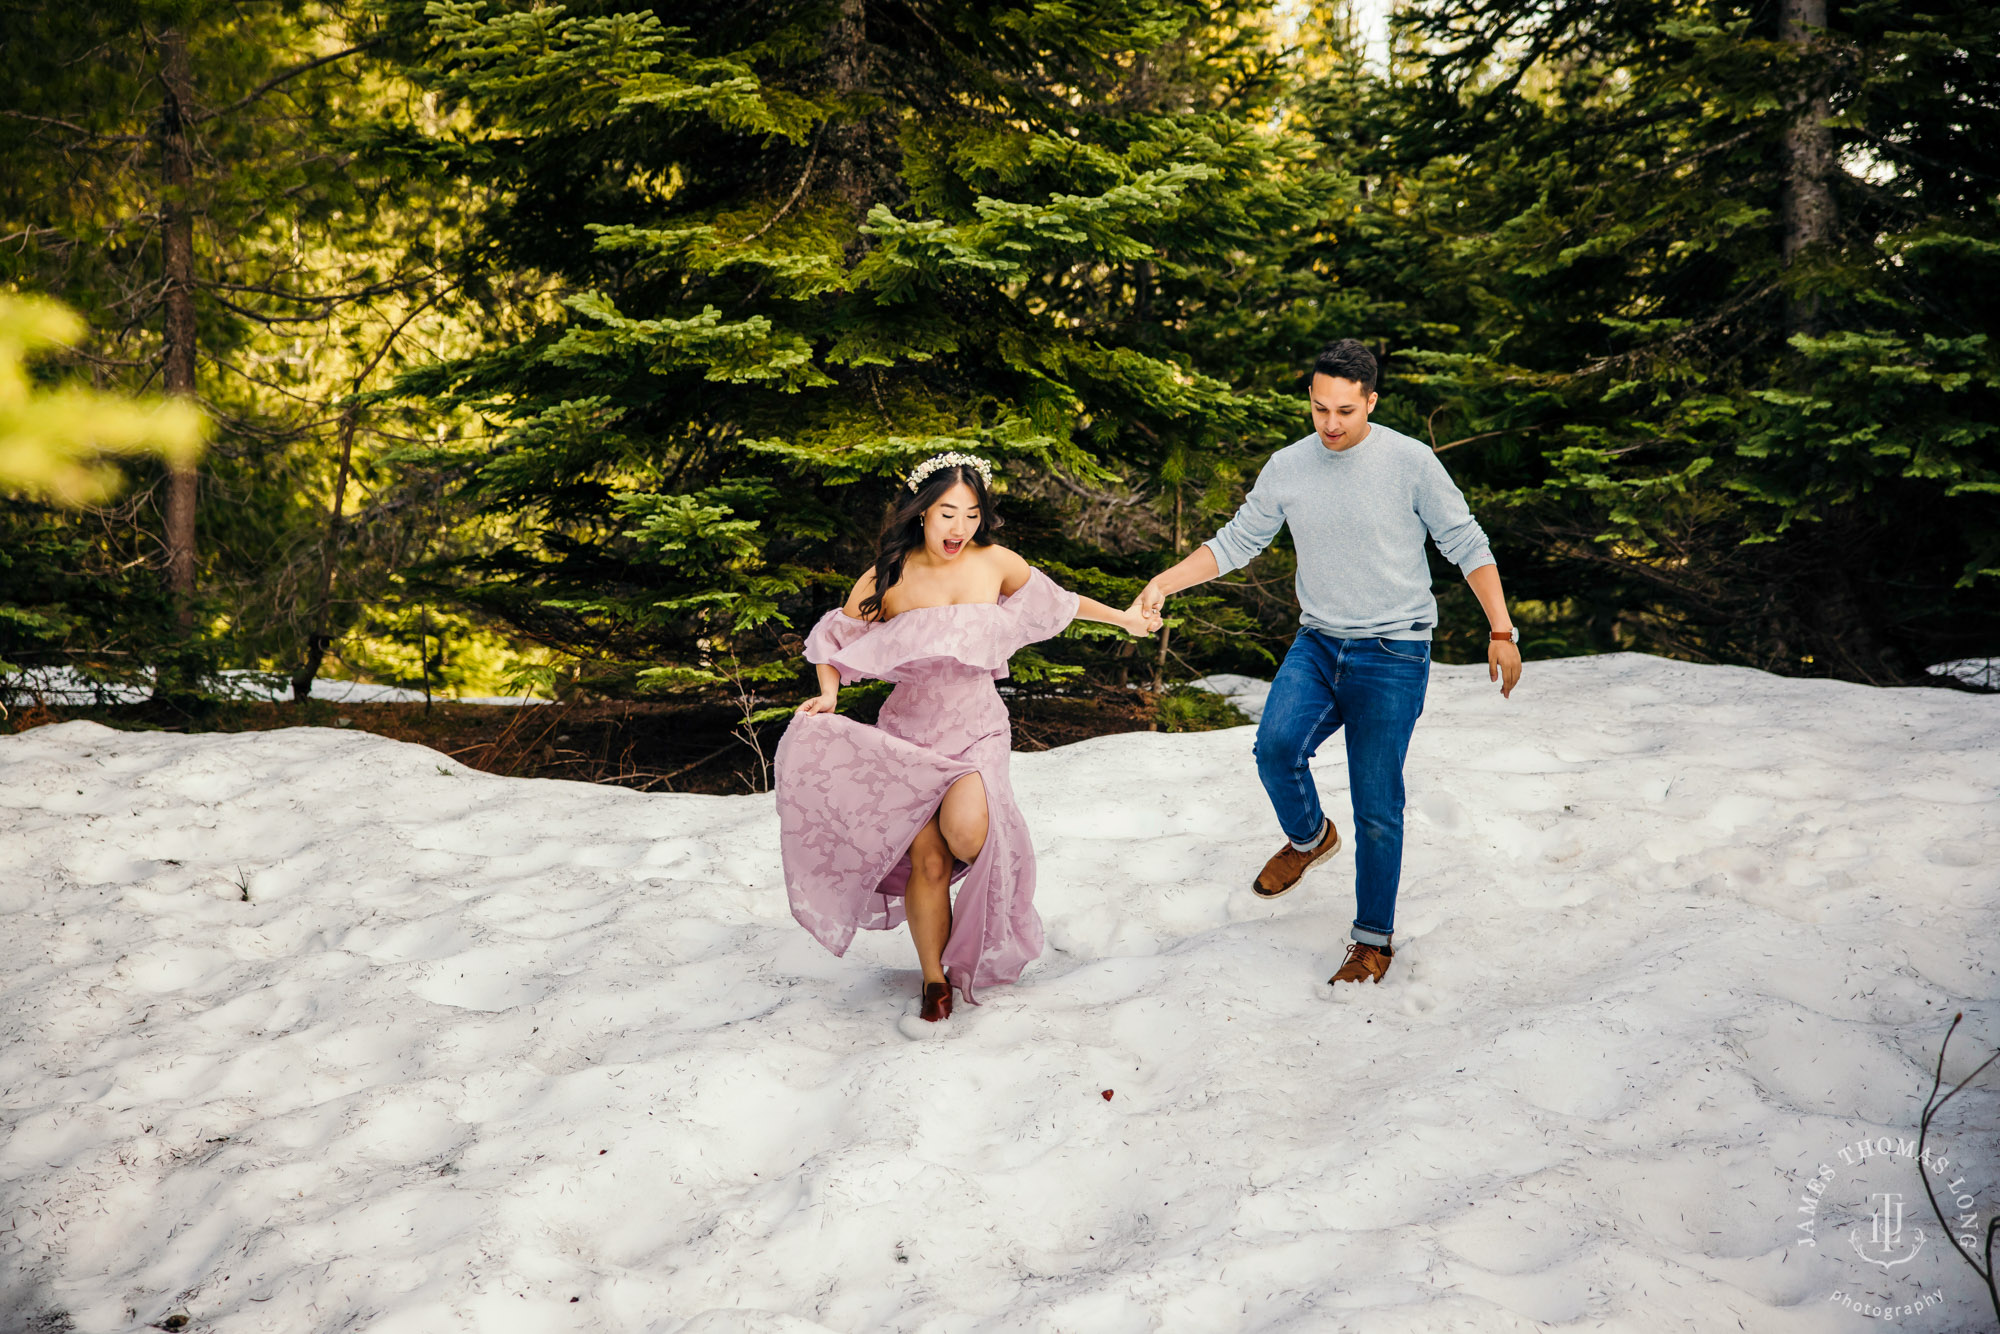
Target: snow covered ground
1981 672
1245 692
65 686
307 1030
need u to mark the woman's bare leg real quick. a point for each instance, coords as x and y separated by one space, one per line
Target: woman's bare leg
961 818
927 899
958 831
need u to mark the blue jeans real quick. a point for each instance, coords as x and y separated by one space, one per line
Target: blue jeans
1375 689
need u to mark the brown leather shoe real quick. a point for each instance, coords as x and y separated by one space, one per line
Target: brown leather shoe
1283 871
937 1002
1364 963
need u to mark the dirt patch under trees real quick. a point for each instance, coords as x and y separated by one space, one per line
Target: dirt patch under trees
652 747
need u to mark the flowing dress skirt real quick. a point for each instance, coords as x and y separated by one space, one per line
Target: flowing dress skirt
851 798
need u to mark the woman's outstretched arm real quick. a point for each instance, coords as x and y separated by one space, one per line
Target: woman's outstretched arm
1131 620
1015 572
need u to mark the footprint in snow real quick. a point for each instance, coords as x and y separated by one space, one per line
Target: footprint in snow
1403 989
918 1029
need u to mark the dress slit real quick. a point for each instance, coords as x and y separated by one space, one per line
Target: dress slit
898 872
852 797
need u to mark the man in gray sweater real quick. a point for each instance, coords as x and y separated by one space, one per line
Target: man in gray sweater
1360 499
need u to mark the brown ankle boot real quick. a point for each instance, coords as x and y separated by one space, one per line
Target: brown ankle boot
937 1002
1283 871
1364 963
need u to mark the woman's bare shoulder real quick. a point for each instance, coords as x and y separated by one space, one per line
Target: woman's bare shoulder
1014 569
1005 557
864 588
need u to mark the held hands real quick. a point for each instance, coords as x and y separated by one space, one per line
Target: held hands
1146 614
1138 619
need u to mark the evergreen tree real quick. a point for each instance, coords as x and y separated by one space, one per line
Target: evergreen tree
1709 312
787 253
178 173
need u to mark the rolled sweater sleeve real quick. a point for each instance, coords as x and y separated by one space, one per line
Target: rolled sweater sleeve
1441 505
1246 535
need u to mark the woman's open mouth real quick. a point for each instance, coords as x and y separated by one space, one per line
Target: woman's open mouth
952 546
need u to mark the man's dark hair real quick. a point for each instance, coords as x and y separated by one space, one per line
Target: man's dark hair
1347 360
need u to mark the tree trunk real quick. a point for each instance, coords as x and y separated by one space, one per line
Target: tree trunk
1166 635
1808 196
849 67
1835 611
319 632
177 293
424 659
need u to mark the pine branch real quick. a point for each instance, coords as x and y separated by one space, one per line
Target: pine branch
304 298
89 135
1484 435
286 77
797 194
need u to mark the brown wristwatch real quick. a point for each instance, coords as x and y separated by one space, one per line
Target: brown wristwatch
1512 634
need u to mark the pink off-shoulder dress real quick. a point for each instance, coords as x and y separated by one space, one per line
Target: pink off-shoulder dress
852 797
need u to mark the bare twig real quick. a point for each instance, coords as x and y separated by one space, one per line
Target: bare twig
695 764
1101 497
746 730
288 75
85 131
1484 435
797 194
1932 1106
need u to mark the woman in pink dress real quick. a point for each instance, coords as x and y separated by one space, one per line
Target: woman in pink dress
878 823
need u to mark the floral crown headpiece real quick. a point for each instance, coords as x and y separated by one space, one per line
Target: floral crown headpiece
952 460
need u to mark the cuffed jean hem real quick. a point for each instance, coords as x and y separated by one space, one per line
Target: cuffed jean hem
1378 939
1318 839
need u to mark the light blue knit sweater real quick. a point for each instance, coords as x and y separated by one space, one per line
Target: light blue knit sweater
1358 519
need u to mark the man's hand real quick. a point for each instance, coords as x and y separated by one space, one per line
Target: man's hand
1503 664
1139 621
1198 567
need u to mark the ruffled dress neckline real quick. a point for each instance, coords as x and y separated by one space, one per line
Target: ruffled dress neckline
901 648
937 606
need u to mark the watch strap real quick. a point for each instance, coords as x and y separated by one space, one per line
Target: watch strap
1511 635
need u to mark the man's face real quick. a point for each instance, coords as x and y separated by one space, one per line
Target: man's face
1340 411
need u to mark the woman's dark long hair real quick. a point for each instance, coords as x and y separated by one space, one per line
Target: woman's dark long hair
903 530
